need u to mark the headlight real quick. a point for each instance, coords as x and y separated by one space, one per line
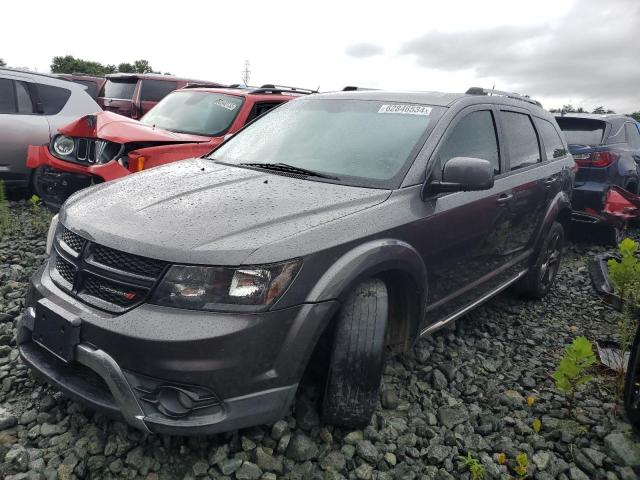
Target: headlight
64 146
51 234
224 289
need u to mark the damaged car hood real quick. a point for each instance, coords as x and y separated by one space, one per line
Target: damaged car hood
117 128
200 212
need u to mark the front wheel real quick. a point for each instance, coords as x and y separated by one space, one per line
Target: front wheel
357 357
539 279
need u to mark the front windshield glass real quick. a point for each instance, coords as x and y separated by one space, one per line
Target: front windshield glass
200 113
348 139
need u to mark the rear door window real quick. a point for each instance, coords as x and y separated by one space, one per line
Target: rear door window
120 89
7 96
473 136
53 99
582 131
23 98
553 145
156 90
521 139
633 136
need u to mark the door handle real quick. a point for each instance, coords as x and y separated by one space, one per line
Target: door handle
550 181
504 198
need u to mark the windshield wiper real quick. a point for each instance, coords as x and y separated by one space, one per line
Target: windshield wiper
285 167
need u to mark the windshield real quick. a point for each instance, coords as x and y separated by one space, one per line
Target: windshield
200 113
121 89
349 139
582 131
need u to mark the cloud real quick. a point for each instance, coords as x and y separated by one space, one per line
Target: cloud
364 50
591 54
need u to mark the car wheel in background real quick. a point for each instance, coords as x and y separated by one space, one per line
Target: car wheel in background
357 357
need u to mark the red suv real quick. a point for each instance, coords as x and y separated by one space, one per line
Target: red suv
133 94
187 123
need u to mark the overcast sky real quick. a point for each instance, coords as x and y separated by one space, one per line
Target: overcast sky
586 52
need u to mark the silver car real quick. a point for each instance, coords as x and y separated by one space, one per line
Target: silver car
32 108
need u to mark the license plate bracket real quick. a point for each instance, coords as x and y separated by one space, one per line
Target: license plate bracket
56 330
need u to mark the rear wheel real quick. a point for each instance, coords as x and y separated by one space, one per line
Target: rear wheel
539 279
357 356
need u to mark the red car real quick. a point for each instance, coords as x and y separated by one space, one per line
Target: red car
134 94
187 123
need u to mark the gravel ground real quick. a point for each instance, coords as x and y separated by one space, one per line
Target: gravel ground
461 391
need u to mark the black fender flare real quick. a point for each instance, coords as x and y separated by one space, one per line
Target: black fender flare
561 202
371 259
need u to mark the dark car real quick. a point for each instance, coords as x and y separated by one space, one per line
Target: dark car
92 83
134 94
606 149
189 298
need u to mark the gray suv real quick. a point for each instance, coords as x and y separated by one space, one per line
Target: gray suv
32 108
189 298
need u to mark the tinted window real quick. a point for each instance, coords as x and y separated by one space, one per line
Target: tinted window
25 105
122 89
362 142
7 97
92 87
582 131
156 90
201 113
633 136
552 142
53 99
521 139
260 109
474 136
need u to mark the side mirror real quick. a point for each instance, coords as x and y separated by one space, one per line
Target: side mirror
462 174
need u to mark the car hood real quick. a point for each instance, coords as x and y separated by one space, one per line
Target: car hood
200 212
117 128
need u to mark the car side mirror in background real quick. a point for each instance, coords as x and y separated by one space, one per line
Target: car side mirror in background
462 174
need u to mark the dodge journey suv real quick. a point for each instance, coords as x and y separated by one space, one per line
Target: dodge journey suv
189 298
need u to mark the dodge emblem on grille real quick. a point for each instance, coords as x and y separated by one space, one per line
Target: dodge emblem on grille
114 291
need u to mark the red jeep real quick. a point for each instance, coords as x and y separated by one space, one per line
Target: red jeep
187 123
134 94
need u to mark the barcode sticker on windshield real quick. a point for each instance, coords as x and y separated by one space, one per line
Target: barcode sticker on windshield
225 104
405 109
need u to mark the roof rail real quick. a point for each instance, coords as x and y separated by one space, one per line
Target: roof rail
203 85
353 88
490 91
271 88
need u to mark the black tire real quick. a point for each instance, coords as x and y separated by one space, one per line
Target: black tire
357 357
538 281
632 384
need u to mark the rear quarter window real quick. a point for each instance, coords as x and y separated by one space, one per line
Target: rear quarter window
53 99
553 144
156 90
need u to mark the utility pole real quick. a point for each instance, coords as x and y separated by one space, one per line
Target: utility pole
246 73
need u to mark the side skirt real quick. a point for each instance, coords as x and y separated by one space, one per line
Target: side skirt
438 325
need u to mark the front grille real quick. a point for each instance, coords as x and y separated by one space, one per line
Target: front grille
65 269
110 292
73 240
106 278
92 150
127 261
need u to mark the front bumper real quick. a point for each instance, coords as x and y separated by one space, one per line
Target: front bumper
241 369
